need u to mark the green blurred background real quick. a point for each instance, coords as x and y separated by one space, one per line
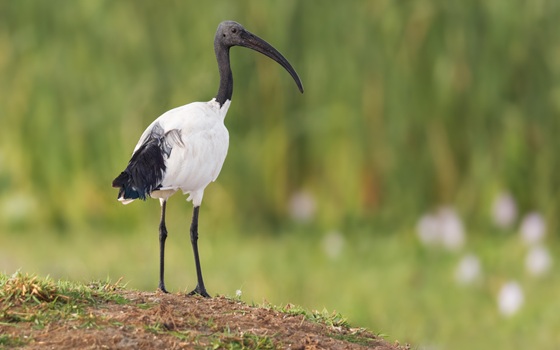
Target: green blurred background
409 106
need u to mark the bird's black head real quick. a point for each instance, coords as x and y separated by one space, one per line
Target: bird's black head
231 33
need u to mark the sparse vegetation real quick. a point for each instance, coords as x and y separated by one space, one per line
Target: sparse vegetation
38 312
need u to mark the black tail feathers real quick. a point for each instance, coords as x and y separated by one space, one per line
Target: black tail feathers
144 172
126 189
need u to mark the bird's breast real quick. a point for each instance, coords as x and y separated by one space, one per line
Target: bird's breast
195 163
195 141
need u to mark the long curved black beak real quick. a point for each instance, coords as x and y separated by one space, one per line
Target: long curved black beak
251 41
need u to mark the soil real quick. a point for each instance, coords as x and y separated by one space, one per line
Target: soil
175 321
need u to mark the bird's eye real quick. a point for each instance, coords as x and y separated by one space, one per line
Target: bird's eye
224 35
233 30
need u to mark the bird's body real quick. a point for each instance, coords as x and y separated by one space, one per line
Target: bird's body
194 143
184 149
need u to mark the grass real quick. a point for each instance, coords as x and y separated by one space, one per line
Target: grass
39 301
236 341
35 310
24 288
387 283
333 319
28 298
7 341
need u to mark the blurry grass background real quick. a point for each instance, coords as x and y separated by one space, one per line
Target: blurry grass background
409 106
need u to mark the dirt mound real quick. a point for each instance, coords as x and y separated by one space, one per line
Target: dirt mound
142 320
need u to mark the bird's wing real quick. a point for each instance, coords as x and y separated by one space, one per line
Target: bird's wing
147 166
171 139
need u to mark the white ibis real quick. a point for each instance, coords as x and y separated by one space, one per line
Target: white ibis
185 148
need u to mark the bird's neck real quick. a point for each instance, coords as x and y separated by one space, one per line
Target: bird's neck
225 90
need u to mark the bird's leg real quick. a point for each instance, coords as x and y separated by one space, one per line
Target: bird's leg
200 289
162 237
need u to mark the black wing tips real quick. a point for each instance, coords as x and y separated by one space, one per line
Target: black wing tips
145 169
126 189
143 173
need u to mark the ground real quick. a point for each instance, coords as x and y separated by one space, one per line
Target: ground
36 314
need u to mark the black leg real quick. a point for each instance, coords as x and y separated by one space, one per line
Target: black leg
200 289
162 237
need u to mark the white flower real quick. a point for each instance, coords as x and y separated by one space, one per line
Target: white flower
302 206
504 210
451 226
428 230
238 293
468 270
444 228
533 228
538 261
333 242
510 298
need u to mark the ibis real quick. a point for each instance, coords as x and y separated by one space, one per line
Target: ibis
184 149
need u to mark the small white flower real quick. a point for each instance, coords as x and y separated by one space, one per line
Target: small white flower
538 261
302 206
510 298
504 210
428 230
444 228
452 231
238 293
333 242
468 270
533 228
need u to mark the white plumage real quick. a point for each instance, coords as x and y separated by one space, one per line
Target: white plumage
198 150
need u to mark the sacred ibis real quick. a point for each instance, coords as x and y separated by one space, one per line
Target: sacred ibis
185 148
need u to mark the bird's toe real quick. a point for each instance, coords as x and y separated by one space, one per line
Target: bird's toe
200 291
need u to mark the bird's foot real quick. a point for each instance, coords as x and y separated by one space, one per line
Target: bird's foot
162 288
200 291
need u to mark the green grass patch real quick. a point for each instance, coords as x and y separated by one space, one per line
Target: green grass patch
216 339
331 319
240 341
354 338
29 298
25 288
7 340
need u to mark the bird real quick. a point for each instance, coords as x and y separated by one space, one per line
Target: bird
184 149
